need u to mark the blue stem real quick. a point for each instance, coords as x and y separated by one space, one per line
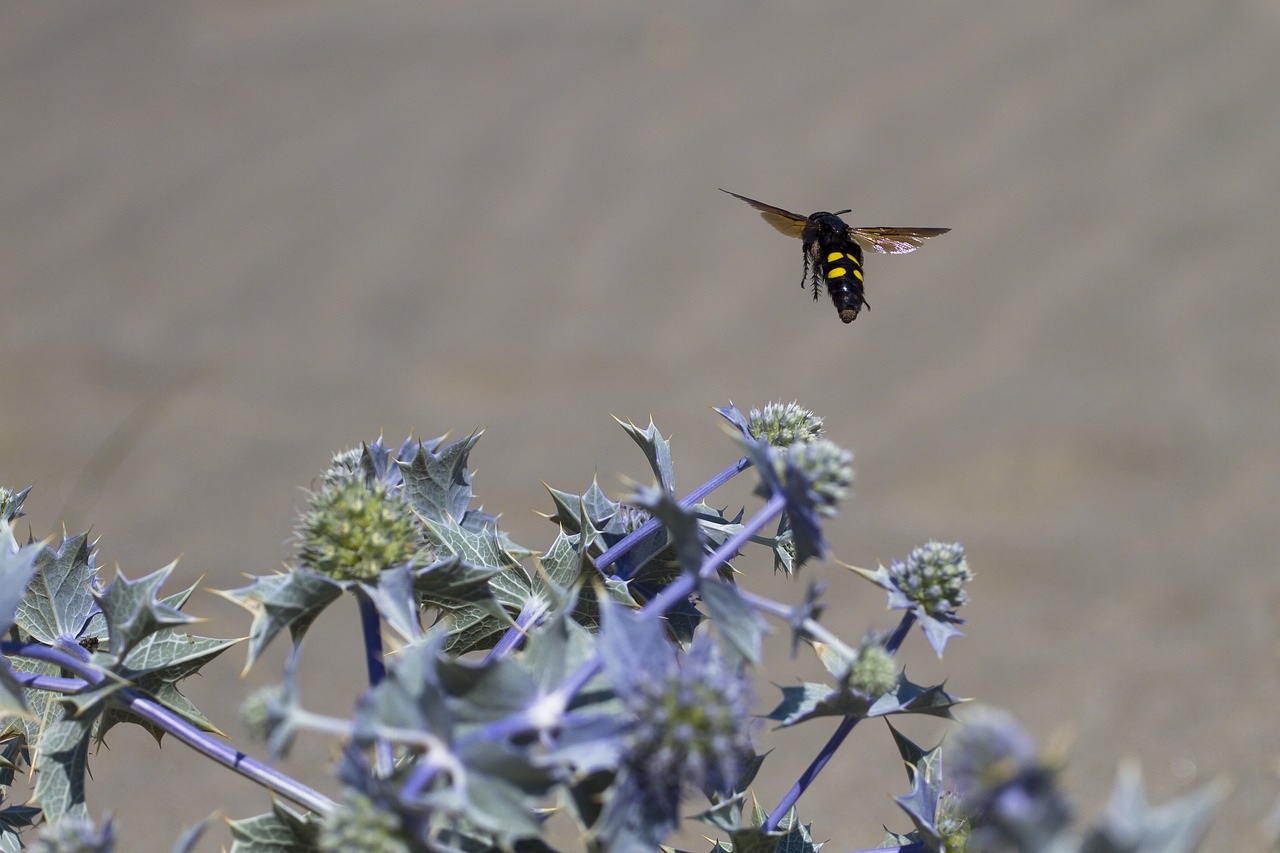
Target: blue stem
833 743
645 530
371 630
515 635
180 728
676 591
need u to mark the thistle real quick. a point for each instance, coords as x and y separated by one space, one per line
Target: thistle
352 531
784 424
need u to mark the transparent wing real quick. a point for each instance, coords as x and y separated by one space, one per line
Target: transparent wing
894 241
785 221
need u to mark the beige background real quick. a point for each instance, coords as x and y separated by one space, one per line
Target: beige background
237 236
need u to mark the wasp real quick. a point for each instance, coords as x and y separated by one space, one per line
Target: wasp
833 250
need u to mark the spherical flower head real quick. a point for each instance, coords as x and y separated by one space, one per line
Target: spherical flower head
826 468
873 672
691 724
1002 783
358 824
934 576
784 424
352 531
260 713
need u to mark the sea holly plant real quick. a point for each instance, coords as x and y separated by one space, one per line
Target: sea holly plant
606 686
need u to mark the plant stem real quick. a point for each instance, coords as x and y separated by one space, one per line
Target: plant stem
202 742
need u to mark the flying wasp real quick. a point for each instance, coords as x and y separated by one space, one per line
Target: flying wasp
833 250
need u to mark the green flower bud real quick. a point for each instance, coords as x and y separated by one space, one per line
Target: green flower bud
873 672
352 532
358 824
260 712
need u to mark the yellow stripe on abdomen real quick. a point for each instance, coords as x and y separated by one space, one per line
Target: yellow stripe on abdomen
837 272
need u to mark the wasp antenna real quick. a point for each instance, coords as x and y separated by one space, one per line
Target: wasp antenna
838 212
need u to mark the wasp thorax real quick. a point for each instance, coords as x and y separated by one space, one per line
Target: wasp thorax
827 223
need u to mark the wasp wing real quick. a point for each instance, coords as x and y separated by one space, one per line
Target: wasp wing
784 220
894 241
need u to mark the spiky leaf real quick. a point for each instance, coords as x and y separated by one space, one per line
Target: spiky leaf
279 831
437 484
820 700
289 600
133 613
657 450
59 600
61 763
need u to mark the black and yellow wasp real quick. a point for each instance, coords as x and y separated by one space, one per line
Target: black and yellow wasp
833 250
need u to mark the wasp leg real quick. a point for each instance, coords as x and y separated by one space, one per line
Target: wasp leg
812 269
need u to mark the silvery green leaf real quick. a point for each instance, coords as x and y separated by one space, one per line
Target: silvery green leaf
657 450
798 838
61 762
736 620
681 525
486 690
437 484
59 599
756 840
471 628
393 596
132 611
503 789
155 667
924 771
820 700
565 562
288 600
558 647
17 567
411 696
484 550
811 700
455 582
279 831
1132 825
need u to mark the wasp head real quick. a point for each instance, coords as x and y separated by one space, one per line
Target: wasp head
824 224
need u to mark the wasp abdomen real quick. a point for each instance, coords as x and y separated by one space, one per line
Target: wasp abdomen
840 266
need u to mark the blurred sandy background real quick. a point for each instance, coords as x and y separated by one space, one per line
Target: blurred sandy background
238 236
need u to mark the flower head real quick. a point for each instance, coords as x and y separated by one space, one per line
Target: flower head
684 723
1002 783
822 468
352 531
691 723
359 824
873 671
934 577
930 583
784 424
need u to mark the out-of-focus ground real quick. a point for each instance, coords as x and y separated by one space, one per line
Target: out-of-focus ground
237 236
